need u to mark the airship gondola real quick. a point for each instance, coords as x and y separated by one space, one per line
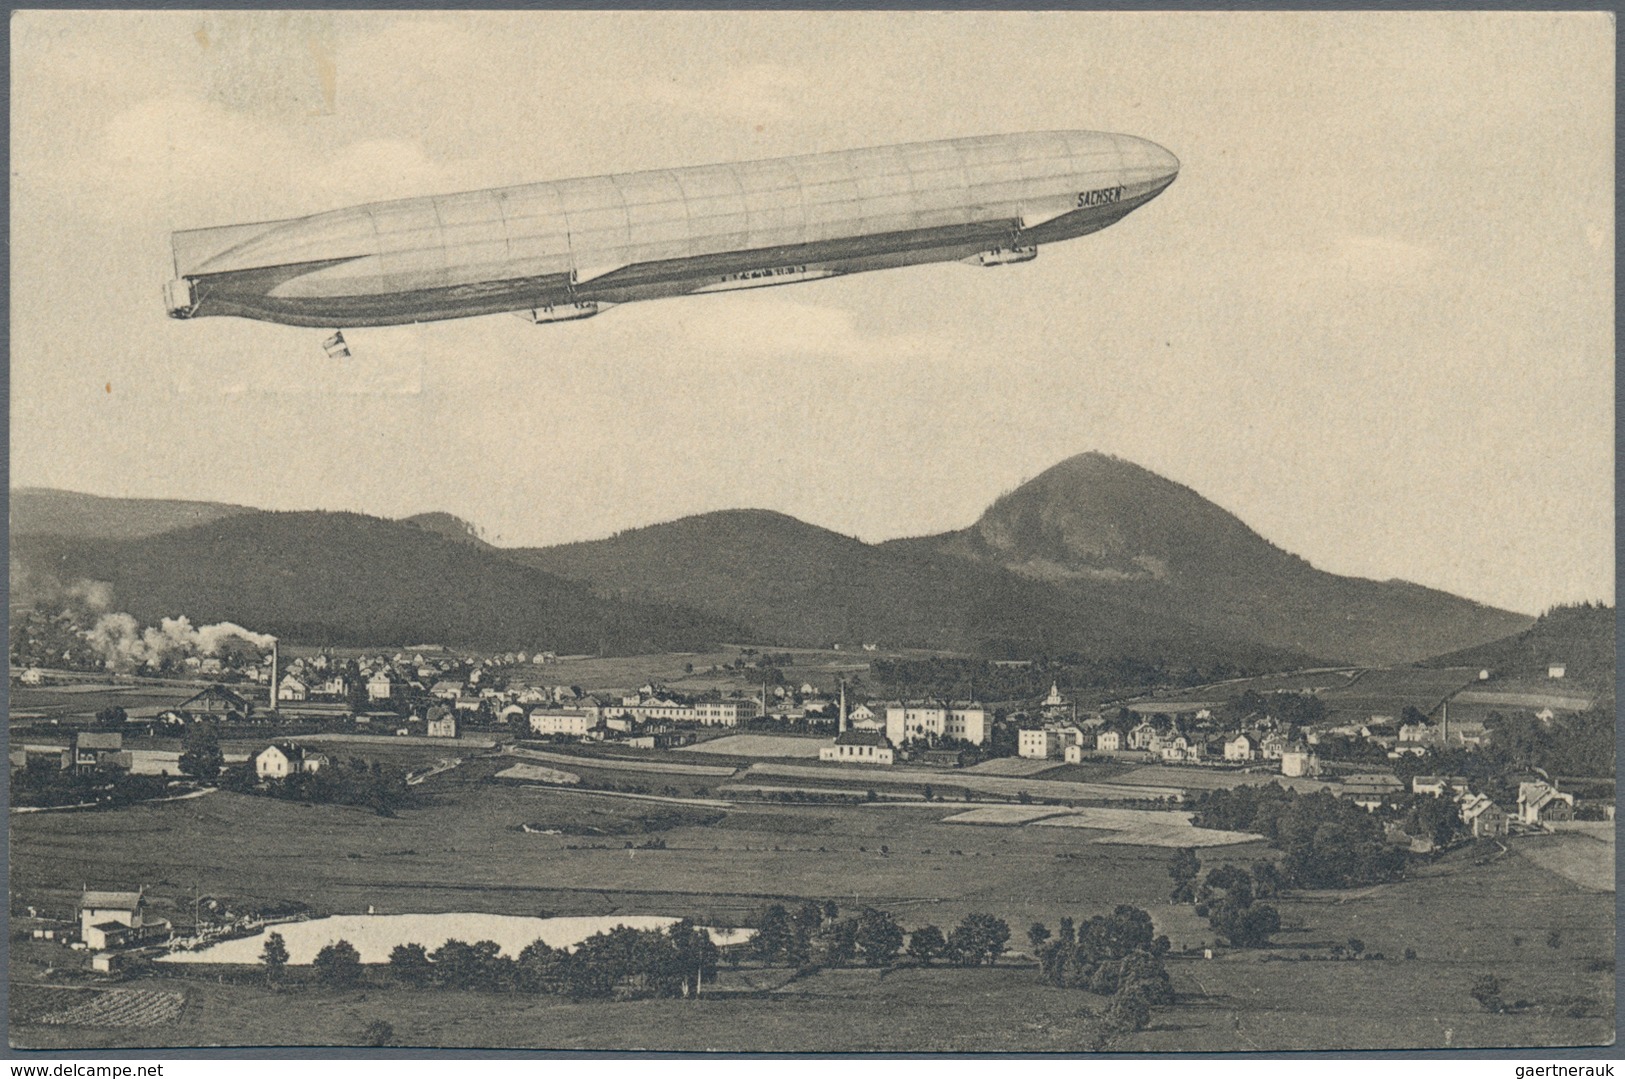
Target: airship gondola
567 249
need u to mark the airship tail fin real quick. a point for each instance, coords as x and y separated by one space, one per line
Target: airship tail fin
195 247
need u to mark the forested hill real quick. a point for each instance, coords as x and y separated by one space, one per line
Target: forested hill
1579 636
346 579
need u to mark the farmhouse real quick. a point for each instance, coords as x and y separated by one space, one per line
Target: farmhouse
283 759
1483 816
858 747
97 749
1371 791
1541 803
109 919
214 701
1438 786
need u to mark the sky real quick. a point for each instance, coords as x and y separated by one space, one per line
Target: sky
1373 317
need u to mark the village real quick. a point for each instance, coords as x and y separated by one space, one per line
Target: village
1394 767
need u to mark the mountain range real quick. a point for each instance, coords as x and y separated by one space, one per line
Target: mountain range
1096 556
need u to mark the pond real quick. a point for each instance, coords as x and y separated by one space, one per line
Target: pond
375 935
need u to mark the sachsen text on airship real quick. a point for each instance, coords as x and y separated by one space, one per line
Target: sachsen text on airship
569 248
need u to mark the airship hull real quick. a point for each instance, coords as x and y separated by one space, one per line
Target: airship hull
576 245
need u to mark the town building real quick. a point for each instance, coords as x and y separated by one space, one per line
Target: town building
858 747
1241 748
1038 744
1108 742
1299 761
382 687
572 722
917 720
442 723
723 713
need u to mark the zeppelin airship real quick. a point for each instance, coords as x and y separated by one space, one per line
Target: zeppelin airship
568 249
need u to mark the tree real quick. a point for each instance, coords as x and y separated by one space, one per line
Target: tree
926 943
1127 1013
979 938
410 963
773 934
203 762
878 937
1037 934
1487 991
338 964
842 946
1183 870
275 956
112 718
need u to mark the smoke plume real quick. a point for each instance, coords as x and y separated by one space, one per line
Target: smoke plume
121 642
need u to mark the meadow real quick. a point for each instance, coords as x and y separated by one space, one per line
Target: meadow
1525 914
1466 915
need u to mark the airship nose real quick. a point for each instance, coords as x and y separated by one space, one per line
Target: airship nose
1151 160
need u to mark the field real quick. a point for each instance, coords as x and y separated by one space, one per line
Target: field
464 850
1388 691
1464 916
1139 827
785 746
966 779
1584 858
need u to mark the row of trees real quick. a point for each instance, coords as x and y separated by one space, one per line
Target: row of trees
622 963
42 781
815 935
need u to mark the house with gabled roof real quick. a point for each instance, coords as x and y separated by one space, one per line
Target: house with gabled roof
1542 803
1483 817
283 759
216 700
859 747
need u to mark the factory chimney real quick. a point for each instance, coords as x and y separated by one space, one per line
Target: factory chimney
841 728
275 671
